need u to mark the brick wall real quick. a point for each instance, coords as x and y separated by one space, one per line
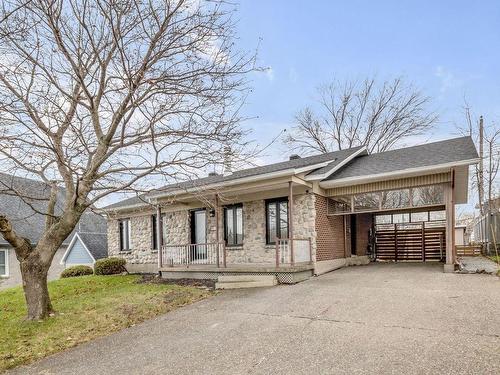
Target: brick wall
329 233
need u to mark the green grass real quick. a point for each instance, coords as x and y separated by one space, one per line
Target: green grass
494 258
86 307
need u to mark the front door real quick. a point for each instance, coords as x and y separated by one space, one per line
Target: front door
198 235
354 233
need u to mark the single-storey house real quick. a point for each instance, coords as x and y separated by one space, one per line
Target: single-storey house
300 217
85 249
24 201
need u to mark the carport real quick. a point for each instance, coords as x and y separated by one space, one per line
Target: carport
402 216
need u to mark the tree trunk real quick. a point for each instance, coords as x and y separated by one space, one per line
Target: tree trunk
36 292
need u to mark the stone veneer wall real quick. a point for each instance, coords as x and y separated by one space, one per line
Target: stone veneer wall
254 249
177 231
141 252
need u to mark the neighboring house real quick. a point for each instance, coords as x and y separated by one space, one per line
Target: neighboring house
300 217
461 237
486 229
84 249
28 221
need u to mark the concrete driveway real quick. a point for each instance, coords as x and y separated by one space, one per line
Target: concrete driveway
383 318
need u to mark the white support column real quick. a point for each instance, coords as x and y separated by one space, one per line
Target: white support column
290 220
450 228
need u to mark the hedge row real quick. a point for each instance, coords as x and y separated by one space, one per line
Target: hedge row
107 266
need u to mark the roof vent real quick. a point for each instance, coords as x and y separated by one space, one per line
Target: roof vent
294 157
212 174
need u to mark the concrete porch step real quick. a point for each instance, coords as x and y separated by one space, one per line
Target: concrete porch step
245 281
243 278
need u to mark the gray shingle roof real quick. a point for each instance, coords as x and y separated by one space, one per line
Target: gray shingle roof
97 243
448 151
451 150
276 167
23 214
343 154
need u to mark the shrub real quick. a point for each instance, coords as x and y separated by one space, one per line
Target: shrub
77 271
110 266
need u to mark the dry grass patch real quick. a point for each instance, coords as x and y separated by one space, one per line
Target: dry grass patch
87 307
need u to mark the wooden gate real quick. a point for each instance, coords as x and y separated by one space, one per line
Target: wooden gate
406 242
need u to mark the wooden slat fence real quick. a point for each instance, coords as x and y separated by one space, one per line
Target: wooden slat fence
410 242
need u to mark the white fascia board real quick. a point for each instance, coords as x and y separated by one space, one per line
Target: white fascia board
336 167
409 172
68 249
242 180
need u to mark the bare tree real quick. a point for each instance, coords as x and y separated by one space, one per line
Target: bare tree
485 180
97 95
361 113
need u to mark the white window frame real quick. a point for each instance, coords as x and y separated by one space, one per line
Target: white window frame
6 251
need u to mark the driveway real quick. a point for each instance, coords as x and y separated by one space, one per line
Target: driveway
382 318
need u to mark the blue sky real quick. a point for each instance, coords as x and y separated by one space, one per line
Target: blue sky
448 49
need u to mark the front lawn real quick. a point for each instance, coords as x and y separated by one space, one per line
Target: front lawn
86 307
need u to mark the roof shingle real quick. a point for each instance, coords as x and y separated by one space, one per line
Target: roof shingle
426 155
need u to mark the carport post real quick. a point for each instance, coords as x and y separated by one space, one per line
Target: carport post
450 224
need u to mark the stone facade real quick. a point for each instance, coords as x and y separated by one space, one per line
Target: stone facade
176 230
140 244
176 226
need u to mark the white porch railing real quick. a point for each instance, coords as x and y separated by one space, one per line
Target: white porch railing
293 251
289 252
193 254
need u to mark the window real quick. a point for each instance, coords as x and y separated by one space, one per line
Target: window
340 204
233 225
437 215
428 195
154 233
383 219
417 217
401 218
395 199
276 219
366 201
4 263
124 225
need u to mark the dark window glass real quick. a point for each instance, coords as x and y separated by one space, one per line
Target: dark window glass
276 219
233 225
3 262
154 233
124 225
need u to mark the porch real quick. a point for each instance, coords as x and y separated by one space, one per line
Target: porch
293 261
